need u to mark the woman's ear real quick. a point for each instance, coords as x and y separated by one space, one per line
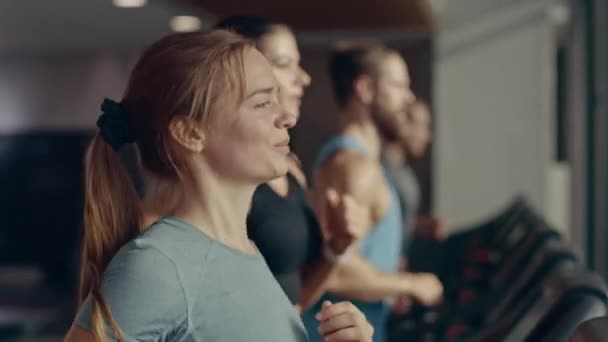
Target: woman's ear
188 133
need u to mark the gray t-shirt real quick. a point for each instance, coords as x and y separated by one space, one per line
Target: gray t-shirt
174 283
406 182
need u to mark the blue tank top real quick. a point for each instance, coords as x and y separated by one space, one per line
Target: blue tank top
381 246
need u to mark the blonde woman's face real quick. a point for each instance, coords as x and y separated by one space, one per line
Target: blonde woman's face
252 143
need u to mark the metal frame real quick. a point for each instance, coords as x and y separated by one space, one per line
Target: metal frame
587 113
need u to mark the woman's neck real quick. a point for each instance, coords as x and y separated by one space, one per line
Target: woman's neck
218 207
280 186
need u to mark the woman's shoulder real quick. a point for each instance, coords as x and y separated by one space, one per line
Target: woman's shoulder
166 244
136 257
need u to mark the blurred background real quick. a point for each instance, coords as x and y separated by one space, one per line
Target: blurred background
518 91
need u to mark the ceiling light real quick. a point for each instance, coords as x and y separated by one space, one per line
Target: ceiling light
129 3
185 23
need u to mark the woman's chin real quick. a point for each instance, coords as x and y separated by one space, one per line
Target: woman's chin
279 170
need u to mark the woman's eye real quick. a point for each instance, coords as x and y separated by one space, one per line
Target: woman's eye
264 104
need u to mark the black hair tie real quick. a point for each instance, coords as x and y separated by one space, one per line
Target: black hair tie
114 125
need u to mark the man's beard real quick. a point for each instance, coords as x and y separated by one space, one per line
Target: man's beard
387 124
